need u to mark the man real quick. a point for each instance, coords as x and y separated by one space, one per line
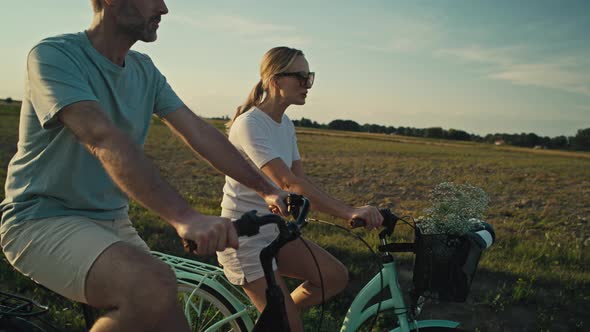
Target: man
86 111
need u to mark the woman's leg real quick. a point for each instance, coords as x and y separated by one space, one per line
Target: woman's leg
256 291
295 261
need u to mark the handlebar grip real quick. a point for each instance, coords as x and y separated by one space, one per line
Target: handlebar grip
191 246
388 219
247 225
357 222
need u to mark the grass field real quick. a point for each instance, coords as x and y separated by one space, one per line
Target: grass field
535 278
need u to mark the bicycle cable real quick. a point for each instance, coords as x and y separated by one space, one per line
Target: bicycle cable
317 265
380 265
413 224
377 259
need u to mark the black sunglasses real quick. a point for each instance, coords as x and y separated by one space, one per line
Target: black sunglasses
305 79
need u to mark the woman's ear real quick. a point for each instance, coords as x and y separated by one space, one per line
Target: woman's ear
274 84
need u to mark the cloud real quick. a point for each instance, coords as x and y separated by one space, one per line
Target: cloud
566 73
547 75
401 45
402 35
497 56
244 27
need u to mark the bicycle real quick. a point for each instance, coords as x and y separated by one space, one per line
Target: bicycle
227 308
212 303
16 313
22 314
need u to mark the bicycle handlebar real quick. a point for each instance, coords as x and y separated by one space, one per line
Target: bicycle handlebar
249 223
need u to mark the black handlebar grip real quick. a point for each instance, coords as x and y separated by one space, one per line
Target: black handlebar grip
357 222
388 218
190 246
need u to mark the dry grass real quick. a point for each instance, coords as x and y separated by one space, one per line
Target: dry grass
535 278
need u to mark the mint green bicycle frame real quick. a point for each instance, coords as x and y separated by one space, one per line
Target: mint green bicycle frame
358 312
196 273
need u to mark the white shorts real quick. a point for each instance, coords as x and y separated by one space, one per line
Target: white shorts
243 265
58 252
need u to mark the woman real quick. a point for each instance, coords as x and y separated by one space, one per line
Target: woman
264 134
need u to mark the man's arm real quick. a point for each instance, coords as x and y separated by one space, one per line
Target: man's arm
135 174
212 145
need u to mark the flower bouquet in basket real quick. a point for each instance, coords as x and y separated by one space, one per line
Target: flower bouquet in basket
449 241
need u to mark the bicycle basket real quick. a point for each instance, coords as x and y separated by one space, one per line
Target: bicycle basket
445 265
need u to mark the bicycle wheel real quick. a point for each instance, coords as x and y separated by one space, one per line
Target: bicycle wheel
17 324
207 307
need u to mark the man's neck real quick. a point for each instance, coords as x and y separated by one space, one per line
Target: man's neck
108 40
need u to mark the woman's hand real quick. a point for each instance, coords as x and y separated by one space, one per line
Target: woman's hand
276 202
369 214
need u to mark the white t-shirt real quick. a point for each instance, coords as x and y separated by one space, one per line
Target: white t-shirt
260 139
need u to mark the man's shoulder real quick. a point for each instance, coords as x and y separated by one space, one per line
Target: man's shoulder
63 41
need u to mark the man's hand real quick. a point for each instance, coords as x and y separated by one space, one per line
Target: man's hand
276 202
210 233
369 214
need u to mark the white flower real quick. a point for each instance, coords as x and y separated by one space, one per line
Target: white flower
456 209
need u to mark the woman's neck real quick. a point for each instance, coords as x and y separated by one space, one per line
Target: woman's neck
274 108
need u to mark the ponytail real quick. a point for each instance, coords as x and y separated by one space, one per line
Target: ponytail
254 99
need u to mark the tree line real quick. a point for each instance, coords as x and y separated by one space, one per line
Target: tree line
581 141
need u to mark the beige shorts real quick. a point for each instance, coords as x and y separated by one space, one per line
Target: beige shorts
58 252
243 265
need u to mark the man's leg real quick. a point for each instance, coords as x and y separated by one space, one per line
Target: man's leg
140 289
98 263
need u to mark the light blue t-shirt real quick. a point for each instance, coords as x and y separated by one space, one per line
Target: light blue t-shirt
52 174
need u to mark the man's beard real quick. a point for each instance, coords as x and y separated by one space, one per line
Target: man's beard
130 21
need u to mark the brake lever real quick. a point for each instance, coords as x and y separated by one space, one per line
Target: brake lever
294 204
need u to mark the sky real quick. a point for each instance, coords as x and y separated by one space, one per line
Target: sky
481 66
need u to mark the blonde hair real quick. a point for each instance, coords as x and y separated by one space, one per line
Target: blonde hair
275 61
96 5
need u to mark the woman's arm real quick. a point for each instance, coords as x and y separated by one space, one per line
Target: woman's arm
294 180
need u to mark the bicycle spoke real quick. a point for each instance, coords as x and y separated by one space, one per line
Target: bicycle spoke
203 311
212 319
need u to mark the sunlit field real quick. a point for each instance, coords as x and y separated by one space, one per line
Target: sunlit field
535 278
